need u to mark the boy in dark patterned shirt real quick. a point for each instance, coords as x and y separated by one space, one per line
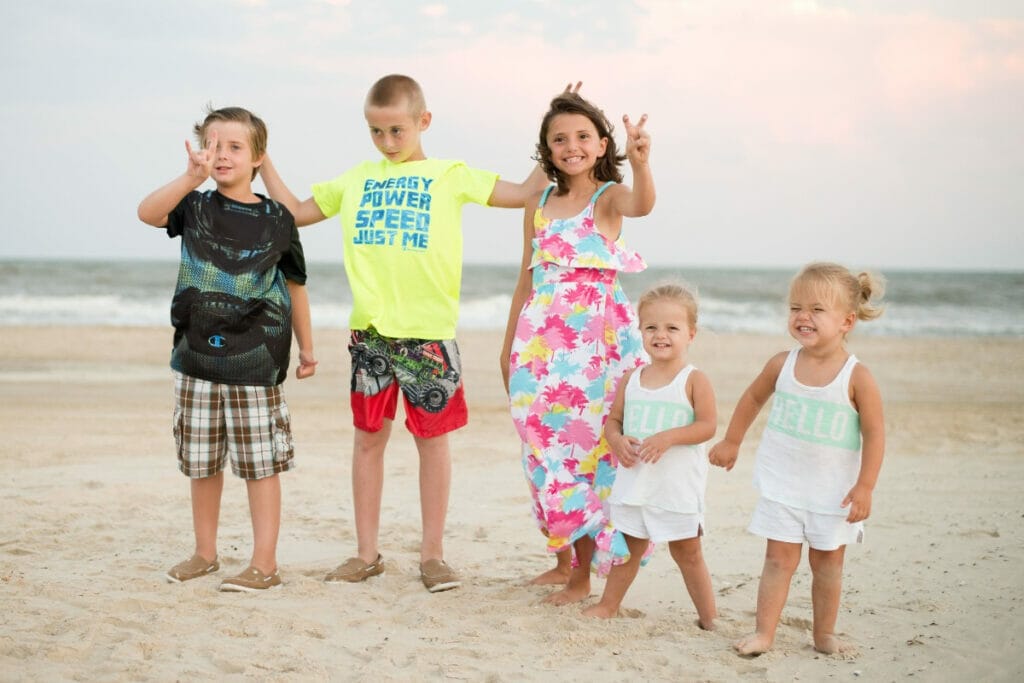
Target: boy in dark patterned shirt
240 296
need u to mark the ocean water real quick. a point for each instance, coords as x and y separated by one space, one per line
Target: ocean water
918 303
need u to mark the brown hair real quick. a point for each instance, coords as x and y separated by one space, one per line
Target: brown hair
257 129
607 167
391 89
673 291
855 293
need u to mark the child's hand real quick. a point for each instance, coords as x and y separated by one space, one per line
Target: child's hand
859 500
307 365
653 447
724 454
625 449
570 90
200 163
638 141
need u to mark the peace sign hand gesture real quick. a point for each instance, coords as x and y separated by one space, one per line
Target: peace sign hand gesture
638 141
200 162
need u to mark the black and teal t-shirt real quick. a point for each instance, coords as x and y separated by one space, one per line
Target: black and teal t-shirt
231 310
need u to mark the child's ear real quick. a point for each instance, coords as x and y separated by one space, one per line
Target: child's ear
425 119
604 147
848 322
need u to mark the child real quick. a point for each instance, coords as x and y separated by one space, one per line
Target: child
240 293
821 451
571 331
401 224
662 416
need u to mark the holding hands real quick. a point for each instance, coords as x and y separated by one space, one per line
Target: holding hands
638 141
723 454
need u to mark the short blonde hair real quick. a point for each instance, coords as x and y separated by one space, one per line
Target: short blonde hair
392 89
672 291
854 293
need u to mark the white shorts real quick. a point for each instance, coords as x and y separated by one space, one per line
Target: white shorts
659 526
779 522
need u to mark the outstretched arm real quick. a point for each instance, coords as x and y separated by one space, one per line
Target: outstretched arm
510 195
305 212
302 328
638 200
725 452
868 400
705 422
157 206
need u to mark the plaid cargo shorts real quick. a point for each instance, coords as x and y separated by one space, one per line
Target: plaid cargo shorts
248 423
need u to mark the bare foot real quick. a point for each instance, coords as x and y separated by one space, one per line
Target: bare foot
753 644
599 611
569 595
708 626
552 577
830 645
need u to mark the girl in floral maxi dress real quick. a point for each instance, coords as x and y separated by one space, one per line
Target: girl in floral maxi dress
571 332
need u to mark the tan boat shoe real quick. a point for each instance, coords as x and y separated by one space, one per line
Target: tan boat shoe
355 569
192 568
437 576
252 580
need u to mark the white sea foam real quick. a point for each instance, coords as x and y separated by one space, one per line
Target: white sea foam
929 304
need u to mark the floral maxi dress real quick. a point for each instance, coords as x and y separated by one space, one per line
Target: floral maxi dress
575 337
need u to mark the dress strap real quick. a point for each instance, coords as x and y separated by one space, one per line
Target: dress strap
593 200
544 195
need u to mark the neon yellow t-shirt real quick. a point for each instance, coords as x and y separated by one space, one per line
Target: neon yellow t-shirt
402 231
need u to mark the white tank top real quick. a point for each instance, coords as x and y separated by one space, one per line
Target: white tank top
678 480
809 457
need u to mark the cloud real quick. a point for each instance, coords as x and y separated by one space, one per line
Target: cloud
776 114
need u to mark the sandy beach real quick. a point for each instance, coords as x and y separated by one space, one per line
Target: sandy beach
95 512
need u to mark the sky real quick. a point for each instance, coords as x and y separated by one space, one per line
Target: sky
878 133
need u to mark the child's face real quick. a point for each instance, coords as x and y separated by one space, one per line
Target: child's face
233 161
395 131
815 320
666 330
574 143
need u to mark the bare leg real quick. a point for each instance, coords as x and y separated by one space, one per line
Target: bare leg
578 587
435 486
265 510
780 561
367 486
559 574
620 578
206 493
826 588
689 556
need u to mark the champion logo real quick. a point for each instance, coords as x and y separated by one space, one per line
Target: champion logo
217 341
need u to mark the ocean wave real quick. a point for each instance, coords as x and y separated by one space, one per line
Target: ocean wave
928 304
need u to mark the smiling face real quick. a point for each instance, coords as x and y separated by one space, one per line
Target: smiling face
395 130
816 319
575 144
234 164
666 330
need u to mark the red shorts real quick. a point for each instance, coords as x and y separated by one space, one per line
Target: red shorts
429 374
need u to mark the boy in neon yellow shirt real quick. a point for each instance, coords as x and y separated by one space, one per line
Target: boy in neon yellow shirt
402 229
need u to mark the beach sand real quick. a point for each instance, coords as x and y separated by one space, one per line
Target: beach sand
95 511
